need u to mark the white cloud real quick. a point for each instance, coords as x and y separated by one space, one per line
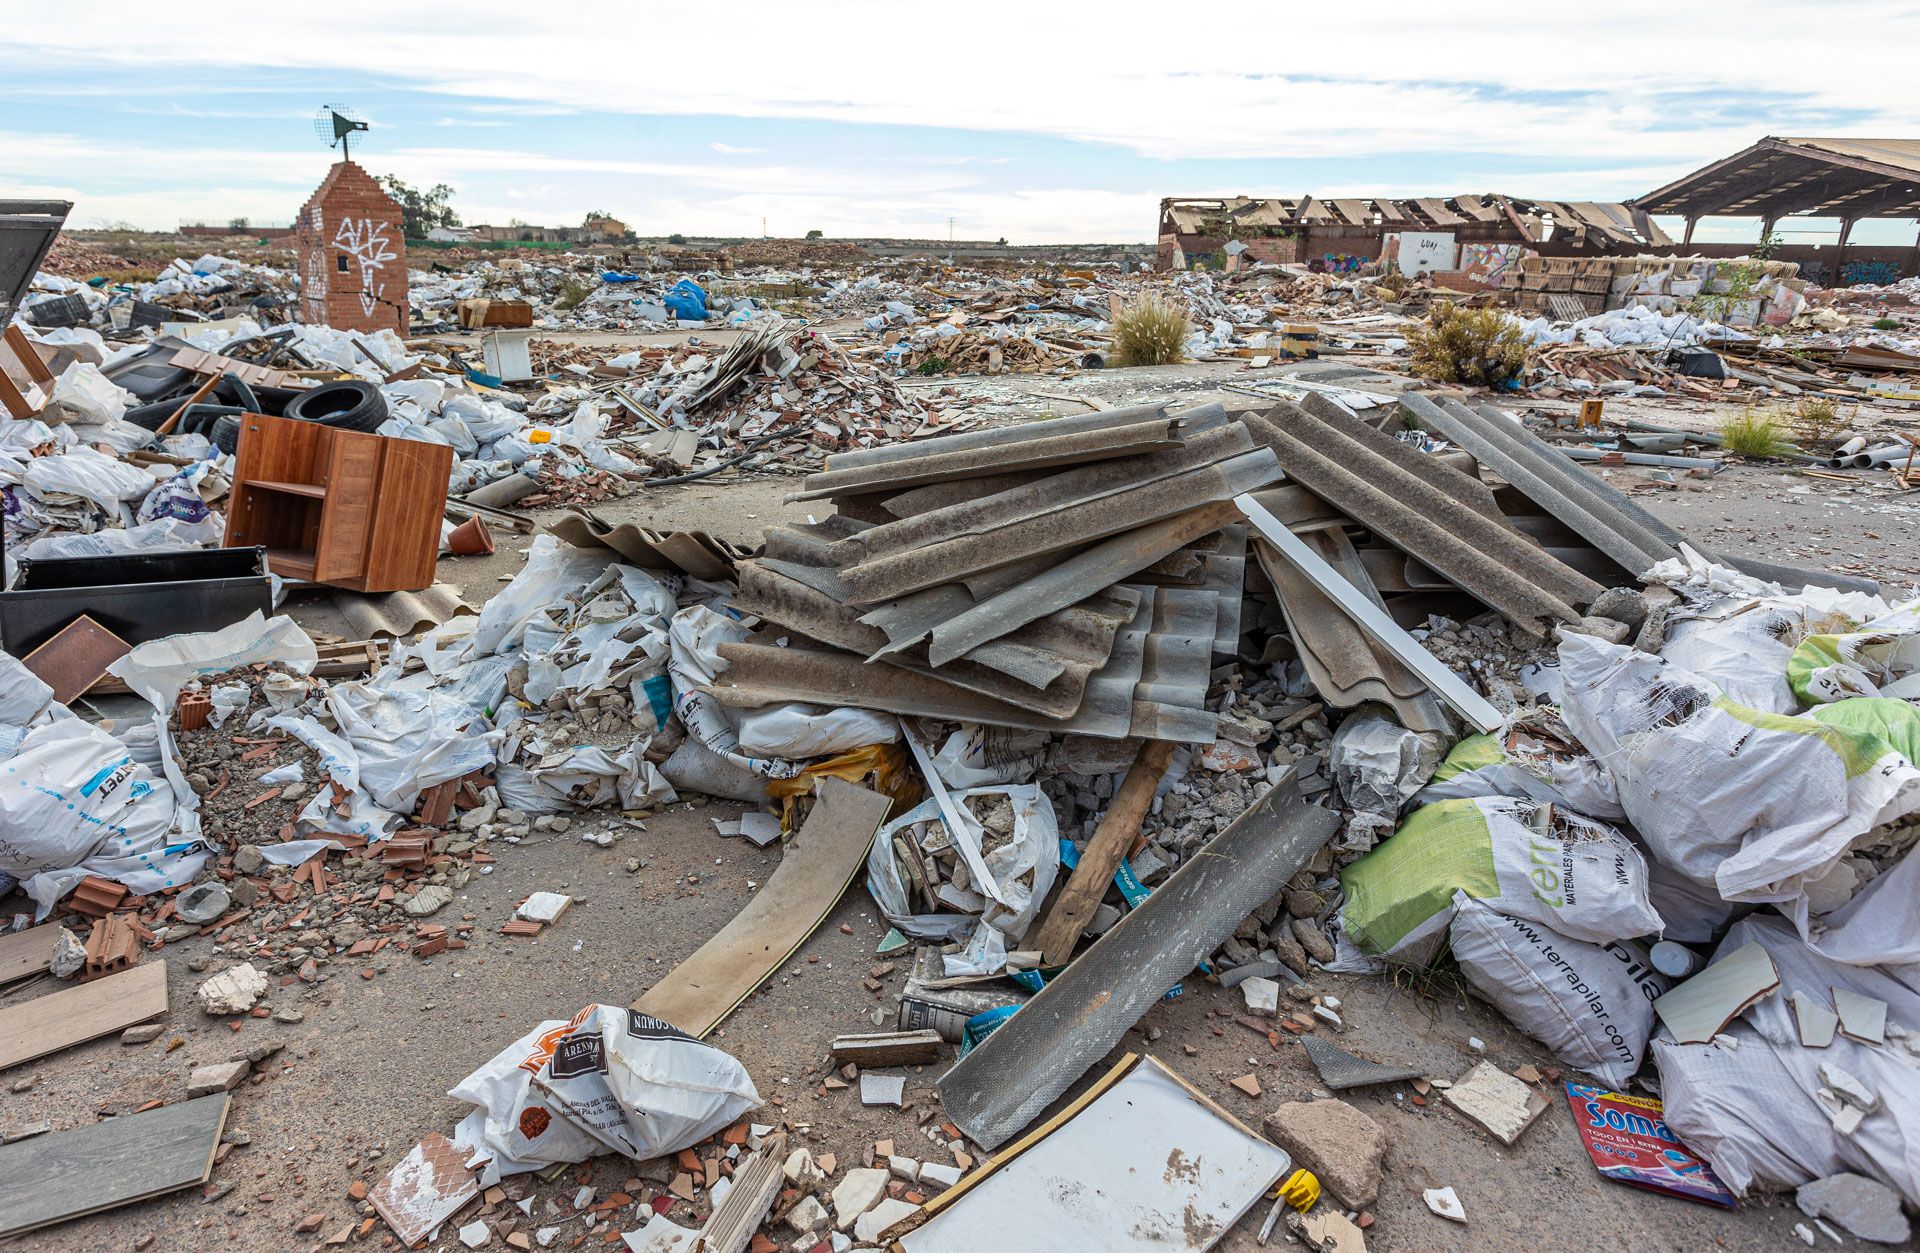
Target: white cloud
1392 83
1432 77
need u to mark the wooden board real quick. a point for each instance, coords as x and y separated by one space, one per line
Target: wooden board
27 952
63 1019
75 658
53 1178
828 852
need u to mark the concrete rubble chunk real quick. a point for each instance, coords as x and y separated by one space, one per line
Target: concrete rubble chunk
69 955
1866 1207
232 991
219 1077
857 1193
808 1216
430 899
1342 1145
882 1216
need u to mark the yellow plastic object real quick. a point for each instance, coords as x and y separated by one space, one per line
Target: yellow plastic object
1301 1189
539 437
888 764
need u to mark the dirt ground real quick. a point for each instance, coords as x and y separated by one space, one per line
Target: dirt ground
365 1073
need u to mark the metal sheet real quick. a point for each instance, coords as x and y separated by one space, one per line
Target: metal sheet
1543 477
1037 1054
774 594
1044 429
1340 1069
1174 667
1346 665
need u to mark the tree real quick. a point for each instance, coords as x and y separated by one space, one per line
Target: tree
237 225
422 210
599 215
816 234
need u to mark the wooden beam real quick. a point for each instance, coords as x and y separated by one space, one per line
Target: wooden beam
1074 907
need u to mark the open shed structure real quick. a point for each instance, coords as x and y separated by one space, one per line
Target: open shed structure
1848 179
1309 228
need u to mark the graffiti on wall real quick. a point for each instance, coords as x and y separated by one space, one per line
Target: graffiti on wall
313 277
365 243
1487 264
1336 263
1877 272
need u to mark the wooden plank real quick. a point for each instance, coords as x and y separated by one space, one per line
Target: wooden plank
823 859
353 481
1073 908
411 500
63 1019
54 1178
27 952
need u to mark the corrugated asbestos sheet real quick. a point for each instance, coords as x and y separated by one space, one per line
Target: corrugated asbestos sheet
1426 508
1153 686
1072 575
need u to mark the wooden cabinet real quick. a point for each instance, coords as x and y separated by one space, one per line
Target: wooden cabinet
341 507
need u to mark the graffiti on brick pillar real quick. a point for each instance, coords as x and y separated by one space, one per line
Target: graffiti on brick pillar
313 282
366 242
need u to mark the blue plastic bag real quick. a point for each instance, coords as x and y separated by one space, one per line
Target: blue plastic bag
687 301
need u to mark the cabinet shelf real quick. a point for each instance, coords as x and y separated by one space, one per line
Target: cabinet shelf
345 508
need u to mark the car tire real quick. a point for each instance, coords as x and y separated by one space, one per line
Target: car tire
225 434
350 406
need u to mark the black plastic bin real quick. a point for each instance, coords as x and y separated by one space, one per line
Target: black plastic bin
137 596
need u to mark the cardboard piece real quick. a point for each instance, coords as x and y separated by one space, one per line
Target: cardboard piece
1629 1141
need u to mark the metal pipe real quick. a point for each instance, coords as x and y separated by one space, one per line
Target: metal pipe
1642 459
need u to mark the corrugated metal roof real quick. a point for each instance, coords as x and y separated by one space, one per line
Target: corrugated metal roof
935 465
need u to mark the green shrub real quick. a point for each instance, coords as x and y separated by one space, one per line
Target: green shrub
1752 434
1886 324
1476 346
1150 330
572 292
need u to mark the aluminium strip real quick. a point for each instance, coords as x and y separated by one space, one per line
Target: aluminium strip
1464 701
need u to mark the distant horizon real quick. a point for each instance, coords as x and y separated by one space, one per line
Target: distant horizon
1042 125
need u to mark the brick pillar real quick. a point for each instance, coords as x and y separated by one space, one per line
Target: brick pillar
352 253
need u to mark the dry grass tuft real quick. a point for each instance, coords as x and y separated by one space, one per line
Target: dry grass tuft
1481 347
1150 330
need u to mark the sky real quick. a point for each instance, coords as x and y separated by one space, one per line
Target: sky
1037 123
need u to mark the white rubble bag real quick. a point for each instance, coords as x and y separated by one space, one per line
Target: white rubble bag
1377 765
1742 644
610 1080
74 803
1536 862
1754 805
1591 1004
798 731
1753 1108
1528 759
407 741
1880 658
1023 865
158 669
